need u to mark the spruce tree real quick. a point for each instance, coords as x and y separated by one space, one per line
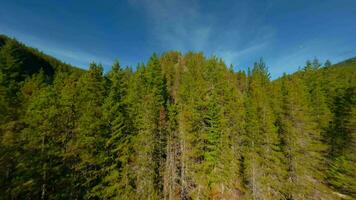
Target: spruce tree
86 146
314 84
301 143
261 153
147 96
342 136
178 127
116 183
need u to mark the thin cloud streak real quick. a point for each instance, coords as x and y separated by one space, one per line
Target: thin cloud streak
285 34
185 26
175 24
232 57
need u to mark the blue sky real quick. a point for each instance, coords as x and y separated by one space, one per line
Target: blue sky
285 33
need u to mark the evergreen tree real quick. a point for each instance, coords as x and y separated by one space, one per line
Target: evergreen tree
314 81
42 147
178 127
342 142
147 111
301 143
261 156
86 146
117 183
327 63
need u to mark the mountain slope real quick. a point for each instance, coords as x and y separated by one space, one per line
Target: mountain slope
28 61
181 126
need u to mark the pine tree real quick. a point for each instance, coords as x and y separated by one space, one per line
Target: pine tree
147 94
207 169
66 87
327 63
191 107
86 146
10 66
11 129
314 81
116 183
178 127
301 143
261 156
342 142
43 145
226 126
171 64
10 122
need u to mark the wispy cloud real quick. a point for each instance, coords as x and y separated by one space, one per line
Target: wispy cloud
284 33
185 26
76 56
232 56
175 24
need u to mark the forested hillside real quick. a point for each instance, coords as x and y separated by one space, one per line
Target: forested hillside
181 126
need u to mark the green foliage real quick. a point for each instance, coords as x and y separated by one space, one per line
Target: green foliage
342 133
262 156
178 127
301 141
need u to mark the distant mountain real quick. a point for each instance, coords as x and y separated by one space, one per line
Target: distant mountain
351 62
26 61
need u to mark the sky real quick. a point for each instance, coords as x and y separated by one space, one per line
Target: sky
285 33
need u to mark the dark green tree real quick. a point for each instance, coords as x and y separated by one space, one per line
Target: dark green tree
261 154
86 147
301 143
342 136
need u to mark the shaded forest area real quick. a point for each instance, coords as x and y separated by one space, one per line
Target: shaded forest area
178 127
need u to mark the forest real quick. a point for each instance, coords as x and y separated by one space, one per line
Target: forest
180 126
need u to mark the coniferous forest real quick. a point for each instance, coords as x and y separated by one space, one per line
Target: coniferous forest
180 126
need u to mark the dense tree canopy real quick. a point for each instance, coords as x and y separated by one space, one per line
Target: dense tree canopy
178 127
